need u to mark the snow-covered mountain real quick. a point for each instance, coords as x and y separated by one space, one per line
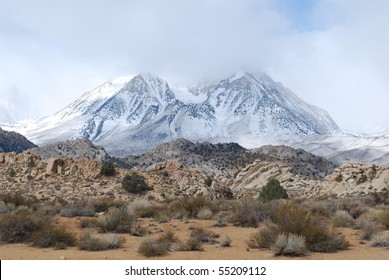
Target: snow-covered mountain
131 116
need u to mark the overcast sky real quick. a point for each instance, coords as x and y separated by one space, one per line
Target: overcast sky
332 53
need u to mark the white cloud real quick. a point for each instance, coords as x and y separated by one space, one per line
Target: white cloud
54 51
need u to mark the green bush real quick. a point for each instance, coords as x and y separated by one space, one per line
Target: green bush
134 183
107 168
273 190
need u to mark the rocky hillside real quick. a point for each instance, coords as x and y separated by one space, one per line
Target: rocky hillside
79 148
228 159
14 142
75 179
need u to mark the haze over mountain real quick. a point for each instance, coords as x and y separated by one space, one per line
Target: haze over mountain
131 116
13 104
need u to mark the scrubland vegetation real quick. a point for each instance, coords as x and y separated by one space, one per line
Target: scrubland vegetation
287 227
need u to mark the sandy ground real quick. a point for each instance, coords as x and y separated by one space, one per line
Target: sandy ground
237 251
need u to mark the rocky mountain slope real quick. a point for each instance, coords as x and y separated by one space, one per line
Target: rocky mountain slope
227 159
75 179
79 148
134 116
14 142
349 148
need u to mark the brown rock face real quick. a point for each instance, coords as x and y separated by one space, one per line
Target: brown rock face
54 166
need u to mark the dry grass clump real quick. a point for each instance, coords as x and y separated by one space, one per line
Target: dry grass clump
205 213
93 242
189 207
203 235
103 204
265 237
116 220
151 247
52 236
342 219
226 242
380 239
383 218
192 244
289 245
80 208
354 206
143 208
368 228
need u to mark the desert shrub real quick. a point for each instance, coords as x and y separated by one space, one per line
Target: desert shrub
222 220
19 226
116 220
380 239
17 199
143 208
342 219
247 213
289 245
381 197
273 190
6 207
265 237
292 218
320 208
205 213
134 183
187 207
51 236
153 247
30 163
368 228
192 244
107 168
80 208
113 241
226 242
208 181
138 230
168 237
383 218
103 204
88 223
355 207
93 242
203 235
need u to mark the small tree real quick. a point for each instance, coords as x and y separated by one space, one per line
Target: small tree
107 169
273 190
134 183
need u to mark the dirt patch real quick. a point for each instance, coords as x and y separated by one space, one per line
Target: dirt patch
237 251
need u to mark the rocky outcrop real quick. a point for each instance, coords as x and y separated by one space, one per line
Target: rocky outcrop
79 148
14 142
347 180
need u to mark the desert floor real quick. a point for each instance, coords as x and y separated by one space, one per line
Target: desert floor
237 251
